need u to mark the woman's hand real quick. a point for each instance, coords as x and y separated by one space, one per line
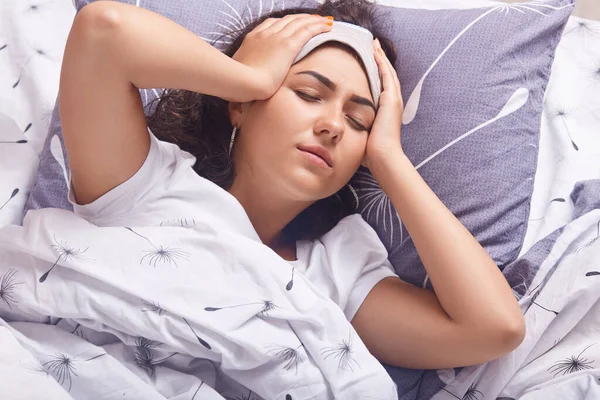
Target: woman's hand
271 47
384 140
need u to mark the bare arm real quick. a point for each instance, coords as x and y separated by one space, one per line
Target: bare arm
473 316
114 49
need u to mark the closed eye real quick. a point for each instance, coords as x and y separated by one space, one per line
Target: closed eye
358 125
306 96
310 98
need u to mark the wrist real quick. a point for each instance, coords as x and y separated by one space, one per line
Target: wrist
249 85
390 167
385 159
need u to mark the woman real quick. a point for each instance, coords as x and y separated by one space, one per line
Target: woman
300 135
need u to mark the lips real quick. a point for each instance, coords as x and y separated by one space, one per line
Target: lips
320 152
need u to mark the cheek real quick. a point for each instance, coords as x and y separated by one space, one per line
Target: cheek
353 150
274 120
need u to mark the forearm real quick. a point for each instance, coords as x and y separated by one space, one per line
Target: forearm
468 284
155 52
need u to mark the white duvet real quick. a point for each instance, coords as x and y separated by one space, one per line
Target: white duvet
153 312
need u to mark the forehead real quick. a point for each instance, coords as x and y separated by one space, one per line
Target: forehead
338 64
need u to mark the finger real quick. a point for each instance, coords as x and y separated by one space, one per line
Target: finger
303 29
265 24
388 68
387 82
282 22
391 67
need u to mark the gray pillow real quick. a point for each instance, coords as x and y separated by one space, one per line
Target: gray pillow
467 64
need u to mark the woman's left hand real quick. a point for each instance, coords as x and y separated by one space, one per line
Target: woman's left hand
384 140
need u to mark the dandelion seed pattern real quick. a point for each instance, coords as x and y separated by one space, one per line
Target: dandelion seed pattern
471 394
562 113
22 141
12 196
153 307
145 358
571 364
375 200
235 21
412 105
595 74
197 390
290 284
33 9
291 357
38 369
555 200
544 308
57 152
513 104
267 307
65 252
583 27
78 331
200 340
37 52
249 396
62 368
8 286
161 254
591 242
342 353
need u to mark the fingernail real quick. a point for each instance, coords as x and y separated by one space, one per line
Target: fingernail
329 23
330 17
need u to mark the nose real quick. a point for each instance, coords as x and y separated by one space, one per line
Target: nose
331 123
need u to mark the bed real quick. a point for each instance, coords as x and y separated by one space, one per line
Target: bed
555 274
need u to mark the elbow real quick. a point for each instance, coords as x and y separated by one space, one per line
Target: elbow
515 333
98 20
510 335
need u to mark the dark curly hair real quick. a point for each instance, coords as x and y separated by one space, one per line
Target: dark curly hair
200 124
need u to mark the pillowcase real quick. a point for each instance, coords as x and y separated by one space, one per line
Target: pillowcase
471 124
473 83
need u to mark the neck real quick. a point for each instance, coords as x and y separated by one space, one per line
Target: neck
268 211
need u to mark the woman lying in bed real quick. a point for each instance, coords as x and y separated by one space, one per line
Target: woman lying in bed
284 138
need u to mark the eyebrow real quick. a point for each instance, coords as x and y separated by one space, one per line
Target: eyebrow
332 86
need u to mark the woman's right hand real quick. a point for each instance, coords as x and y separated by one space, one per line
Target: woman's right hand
271 47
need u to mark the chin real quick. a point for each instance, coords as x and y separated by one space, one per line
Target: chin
307 186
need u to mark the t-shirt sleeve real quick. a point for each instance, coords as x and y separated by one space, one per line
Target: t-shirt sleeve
358 261
163 161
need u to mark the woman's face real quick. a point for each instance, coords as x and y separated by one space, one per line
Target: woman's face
324 103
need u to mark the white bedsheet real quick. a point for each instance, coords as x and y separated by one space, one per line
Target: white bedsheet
570 132
559 357
152 304
32 40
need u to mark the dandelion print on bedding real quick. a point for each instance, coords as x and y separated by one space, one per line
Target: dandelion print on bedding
161 254
66 253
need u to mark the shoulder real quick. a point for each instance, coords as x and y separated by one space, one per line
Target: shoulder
354 231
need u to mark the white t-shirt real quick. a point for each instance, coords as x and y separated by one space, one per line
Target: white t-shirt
344 264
